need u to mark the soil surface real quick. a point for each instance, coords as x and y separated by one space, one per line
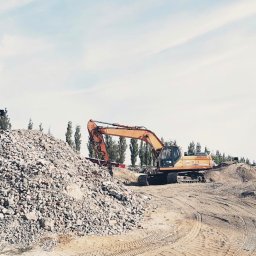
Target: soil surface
183 219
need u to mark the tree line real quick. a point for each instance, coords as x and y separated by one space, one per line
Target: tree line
139 150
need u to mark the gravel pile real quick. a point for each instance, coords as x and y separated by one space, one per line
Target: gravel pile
45 187
234 173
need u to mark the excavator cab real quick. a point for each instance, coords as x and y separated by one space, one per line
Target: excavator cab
168 156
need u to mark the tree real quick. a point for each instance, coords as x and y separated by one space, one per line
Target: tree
78 138
112 148
4 120
198 147
206 150
41 127
30 124
242 160
170 143
134 149
141 153
49 131
122 146
69 134
191 148
217 157
247 161
147 153
229 158
90 147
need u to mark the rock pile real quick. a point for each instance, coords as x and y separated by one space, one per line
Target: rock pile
46 187
233 173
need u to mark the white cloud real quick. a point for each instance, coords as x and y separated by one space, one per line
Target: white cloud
6 5
112 52
13 45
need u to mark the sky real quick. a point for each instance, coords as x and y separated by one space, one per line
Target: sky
183 69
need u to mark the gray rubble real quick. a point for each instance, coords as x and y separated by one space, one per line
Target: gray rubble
45 187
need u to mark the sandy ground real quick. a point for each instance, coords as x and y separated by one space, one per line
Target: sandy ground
183 219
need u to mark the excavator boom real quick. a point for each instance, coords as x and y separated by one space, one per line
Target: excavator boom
133 132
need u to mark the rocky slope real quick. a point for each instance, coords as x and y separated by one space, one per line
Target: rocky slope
45 187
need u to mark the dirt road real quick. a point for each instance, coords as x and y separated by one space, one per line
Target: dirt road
184 219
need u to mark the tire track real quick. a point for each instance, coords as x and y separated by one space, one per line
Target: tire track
202 242
160 239
201 231
248 246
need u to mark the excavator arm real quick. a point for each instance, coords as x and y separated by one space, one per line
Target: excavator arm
134 132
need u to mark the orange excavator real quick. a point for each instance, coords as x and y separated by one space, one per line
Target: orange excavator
169 160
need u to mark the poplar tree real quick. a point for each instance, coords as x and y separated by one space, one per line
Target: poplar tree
242 160
122 146
150 156
4 120
217 157
30 124
198 147
90 148
191 148
41 127
134 149
206 150
69 134
111 148
141 153
247 161
146 154
78 138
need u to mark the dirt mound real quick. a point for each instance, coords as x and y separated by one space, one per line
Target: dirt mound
45 187
233 173
126 176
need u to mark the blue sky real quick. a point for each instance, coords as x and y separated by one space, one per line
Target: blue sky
184 69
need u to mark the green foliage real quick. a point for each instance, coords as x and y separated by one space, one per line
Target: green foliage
217 157
122 146
41 127
5 123
69 134
78 138
206 150
242 160
147 153
141 153
198 147
30 124
112 148
90 148
191 148
134 149
171 143
247 161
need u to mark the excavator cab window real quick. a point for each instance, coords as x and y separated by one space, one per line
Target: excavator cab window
169 156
